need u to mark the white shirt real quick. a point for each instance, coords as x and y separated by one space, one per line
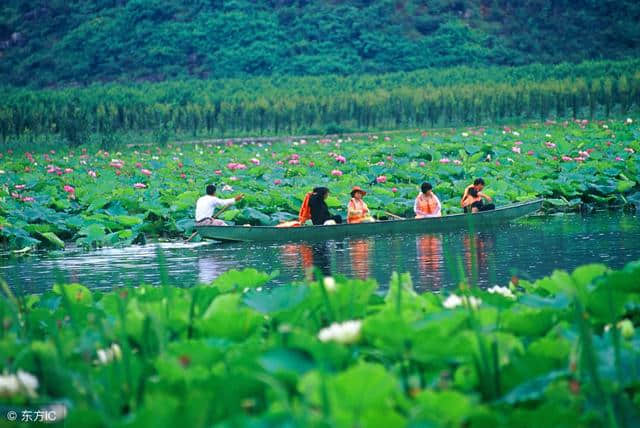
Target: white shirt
207 203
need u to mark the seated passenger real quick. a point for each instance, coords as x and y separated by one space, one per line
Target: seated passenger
478 185
357 210
319 210
427 203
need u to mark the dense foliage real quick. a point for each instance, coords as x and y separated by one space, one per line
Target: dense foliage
115 198
563 351
53 42
108 113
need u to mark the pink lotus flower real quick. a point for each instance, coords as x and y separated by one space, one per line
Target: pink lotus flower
28 199
515 149
583 154
233 178
381 179
68 189
294 162
295 156
312 164
341 159
445 160
116 163
277 181
15 195
629 150
183 175
180 164
497 163
217 172
566 158
118 172
394 189
145 172
68 170
92 174
422 163
381 163
138 165
530 152
255 161
518 143
140 186
336 173
27 169
619 159
227 188
19 186
550 145
457 162
389 158
59 172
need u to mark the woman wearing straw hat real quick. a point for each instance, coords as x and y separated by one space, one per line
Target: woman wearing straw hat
357 210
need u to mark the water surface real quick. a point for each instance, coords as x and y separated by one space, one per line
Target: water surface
531 248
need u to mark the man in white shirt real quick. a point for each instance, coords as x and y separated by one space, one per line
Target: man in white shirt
208 203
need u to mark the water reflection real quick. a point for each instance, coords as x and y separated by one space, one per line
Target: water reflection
430 261
534 246
360 250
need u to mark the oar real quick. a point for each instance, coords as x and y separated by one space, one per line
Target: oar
220 211
394 216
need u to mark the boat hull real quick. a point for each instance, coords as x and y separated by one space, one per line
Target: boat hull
425 225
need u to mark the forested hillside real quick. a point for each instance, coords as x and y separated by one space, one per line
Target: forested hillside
70 42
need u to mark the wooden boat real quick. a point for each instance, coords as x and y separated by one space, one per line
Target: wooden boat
427 225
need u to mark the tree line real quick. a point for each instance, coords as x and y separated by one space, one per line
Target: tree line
317 104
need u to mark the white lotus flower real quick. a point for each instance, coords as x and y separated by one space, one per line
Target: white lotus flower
9 385
227 188
329 283
605 126
465 134
547 135
105 356
516 133
453 301
19 383
345 333
504 291
28 382
1 171
629 121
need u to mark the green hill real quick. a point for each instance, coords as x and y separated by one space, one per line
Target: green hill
70 42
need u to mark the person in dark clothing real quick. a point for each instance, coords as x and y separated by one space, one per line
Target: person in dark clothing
319 210
474 202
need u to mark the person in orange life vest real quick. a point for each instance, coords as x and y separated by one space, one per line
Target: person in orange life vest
427 203
466 202
357 210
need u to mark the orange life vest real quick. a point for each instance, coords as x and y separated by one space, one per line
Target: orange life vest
305 210
427 205
357 211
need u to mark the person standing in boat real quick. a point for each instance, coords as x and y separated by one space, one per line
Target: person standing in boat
427 203
357 210
206 205
467 199
319 210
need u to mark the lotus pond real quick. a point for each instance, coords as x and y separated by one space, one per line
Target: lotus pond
560 351
531 247
97 198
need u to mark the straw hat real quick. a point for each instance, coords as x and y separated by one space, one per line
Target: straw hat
357 189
